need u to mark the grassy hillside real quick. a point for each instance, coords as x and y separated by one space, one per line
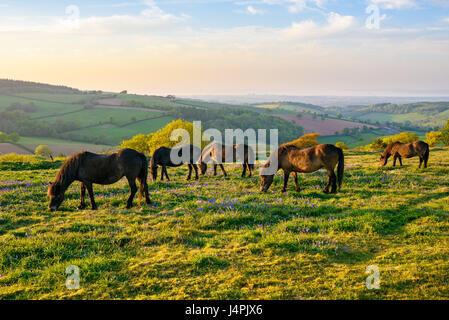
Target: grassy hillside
422 114
222 239
291 106
105 118
362 138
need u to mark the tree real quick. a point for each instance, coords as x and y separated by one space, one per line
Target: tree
434 137
3 137
13 137
161 138
138 143
404 137
346 131
299 115
306 141
445 134
44 151
341 145
339 115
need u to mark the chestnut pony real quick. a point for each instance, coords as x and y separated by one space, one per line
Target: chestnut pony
407 150
219 154
293 159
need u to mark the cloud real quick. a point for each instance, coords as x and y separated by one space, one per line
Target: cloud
394 4
151 18
293 6
253 11
336 23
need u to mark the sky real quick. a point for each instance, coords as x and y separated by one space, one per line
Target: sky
187 47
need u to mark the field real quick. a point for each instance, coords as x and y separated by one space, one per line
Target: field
326 127
110 120
222 239
363 138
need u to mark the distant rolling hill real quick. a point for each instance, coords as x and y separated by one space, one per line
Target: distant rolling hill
102 118
422 114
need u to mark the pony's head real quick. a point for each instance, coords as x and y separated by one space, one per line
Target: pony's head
265 182
56 194
153 172
384 159
203 168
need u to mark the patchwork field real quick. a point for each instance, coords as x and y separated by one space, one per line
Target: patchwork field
222 239
326 127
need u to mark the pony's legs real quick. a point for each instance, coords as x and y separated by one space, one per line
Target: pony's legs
244 170
143 190
298 189
166 173
400 161
133 187
215 169
250 171
421 160
195 167
332 180
394 161
83 195
286 176
426 158
162 173
223 169
90 190
190 171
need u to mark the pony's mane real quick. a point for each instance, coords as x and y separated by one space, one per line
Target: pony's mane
208 150
281 150
390 146
68 170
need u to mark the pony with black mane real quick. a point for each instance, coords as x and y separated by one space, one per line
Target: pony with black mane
90 168
398 150
219 154
290 159
165 157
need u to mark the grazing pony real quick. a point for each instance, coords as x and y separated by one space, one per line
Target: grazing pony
162 157
90 168
219 154
293 159
406 150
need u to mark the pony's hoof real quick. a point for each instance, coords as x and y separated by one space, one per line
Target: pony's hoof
326 191
81 207
95 208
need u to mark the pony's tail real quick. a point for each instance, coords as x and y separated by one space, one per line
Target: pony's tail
426 154
341 167
143 176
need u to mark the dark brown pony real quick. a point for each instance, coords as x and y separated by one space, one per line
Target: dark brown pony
406 150
212 152
90 168
293 159
162 157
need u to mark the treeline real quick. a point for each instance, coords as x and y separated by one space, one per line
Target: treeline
392 108
20 122
14 86
233 118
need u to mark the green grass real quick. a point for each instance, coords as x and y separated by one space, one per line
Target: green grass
362 139
112 134
94 116
222 239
